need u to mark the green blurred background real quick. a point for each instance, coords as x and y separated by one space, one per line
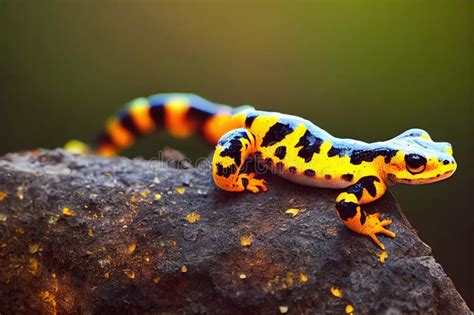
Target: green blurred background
361 69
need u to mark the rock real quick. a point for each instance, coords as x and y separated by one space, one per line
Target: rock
84 234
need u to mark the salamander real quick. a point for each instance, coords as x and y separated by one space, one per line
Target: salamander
291 147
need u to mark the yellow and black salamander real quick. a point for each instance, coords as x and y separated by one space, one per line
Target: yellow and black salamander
290 146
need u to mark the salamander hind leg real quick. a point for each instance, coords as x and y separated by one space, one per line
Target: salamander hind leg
232 151
348 206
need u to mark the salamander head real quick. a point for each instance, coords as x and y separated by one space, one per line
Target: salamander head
419 159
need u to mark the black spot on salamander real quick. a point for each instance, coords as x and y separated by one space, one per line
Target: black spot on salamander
276 133
269 161
310 173
157 113
104 139
336 151
235 135
234 149
245 182
249 120
359 156
244 134
346 210
280 152
327 176
198 116
369 185
356 189
126 121
366 182
292 170
310 145
347 177
226 171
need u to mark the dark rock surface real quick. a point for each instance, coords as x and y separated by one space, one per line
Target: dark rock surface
89 235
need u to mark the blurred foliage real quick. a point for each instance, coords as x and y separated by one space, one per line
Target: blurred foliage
361 69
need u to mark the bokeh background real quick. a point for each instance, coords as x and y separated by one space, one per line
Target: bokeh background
362 69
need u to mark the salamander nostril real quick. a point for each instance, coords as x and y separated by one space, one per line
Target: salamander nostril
445 162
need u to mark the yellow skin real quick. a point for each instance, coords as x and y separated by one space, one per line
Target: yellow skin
291 147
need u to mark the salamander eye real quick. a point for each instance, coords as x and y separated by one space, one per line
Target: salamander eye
415 163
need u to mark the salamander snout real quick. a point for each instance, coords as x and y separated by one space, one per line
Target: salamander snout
422 160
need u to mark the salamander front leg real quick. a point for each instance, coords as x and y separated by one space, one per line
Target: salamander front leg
232 151
348 206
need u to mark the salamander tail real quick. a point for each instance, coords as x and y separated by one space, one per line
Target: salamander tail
181 115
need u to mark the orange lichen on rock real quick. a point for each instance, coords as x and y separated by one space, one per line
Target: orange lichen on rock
245 240
90 233
33 266
304 278
131 248
49 298
293 211
129 273
134 199
337 292
349 309
184 269
19 193
181 190
3 195
156 279
193 217
68 212
290 279
383 256
33 247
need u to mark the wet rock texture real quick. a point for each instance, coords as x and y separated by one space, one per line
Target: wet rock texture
93 235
